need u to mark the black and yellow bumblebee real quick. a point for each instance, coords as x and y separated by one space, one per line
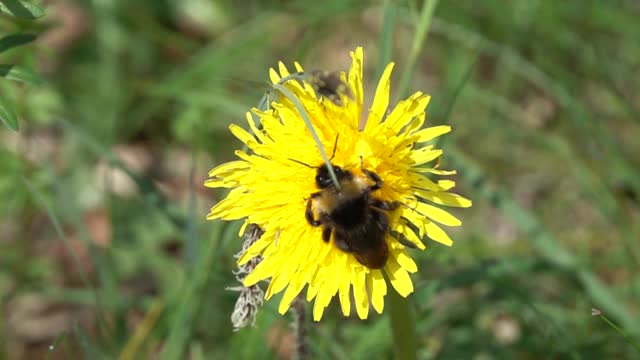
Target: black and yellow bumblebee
356 218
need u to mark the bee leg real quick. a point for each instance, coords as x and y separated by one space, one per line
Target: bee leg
308 214
385 205
371 175
404 241
326 234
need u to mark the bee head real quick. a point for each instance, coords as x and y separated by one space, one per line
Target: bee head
323 179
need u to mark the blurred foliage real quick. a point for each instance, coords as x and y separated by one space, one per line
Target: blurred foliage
16 16
103 246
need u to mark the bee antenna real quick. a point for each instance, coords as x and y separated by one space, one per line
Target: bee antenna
301 163
335 147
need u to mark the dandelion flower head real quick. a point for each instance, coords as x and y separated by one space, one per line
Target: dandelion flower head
270 190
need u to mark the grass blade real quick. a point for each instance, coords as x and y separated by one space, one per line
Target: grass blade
20 74
385 42
15 40
543 241
424 23
21 9
8 115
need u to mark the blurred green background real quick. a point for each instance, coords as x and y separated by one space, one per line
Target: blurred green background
104 251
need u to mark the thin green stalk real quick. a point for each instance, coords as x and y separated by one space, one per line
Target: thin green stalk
37 195
385 41
307 121
424 23
622 333
403 327
181 323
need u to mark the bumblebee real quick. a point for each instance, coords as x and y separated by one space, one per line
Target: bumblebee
328 84
351 213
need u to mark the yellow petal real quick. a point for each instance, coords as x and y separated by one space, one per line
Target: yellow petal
410 235
213 183
290 294
345 302
405 260
444 198
399 278
420 181
360 295
255 276
438 214
427 134
437 234
344 292
318 309
446 184
242 135
406 110
355 74
377 289
228 167
243 228
424 156
273 76
283 69
440 172
380 100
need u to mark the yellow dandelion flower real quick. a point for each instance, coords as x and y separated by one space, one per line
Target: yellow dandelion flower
271 187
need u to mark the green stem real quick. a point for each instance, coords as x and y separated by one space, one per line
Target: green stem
403 327
621 332
424 22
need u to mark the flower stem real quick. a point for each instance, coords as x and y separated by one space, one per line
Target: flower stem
299 329
403 327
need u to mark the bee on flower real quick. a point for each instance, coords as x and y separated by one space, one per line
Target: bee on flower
337 225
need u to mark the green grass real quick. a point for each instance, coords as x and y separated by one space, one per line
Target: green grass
102 208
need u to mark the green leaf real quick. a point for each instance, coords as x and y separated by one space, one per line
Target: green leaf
8 115
18 73
14 40
21 9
